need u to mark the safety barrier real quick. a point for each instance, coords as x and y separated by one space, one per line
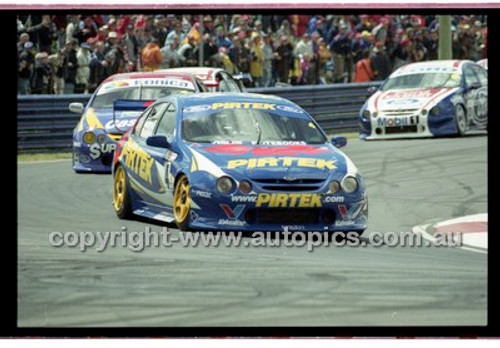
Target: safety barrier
46 124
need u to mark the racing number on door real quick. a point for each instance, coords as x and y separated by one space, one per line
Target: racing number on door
476 96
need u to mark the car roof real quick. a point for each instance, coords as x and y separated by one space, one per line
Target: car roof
451 65
145 75
200 98
203 73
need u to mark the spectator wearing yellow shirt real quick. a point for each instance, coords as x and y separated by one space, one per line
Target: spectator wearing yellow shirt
194 33
257 59
224 61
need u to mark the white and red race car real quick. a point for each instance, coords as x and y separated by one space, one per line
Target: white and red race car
215 79
433 98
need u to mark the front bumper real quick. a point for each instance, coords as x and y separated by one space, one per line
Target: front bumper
396 125
93 158
277 211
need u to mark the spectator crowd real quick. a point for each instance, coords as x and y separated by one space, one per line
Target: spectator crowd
73 54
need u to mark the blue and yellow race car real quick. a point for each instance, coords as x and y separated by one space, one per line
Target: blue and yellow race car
236 161
114 108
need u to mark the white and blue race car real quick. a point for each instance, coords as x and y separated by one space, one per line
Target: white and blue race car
434 98
114 108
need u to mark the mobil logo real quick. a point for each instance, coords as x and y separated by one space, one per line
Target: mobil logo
397 121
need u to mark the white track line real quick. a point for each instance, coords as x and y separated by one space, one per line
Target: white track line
421 230
482 217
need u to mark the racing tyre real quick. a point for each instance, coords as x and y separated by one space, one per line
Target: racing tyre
182 203
460 120
121 198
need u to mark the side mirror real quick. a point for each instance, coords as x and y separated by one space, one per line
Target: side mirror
158 141
339 141
371 90
76 108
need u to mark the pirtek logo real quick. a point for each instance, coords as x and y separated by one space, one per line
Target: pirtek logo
281 162
138 160
289 200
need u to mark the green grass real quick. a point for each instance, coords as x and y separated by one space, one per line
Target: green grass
28 157
347 135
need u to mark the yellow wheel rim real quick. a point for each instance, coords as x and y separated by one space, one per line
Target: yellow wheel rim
182 200
119 189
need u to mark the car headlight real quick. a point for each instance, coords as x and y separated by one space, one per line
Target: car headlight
349 184
374 114
225 184
435 111
333 187
89 137
366 113
245 186
101 138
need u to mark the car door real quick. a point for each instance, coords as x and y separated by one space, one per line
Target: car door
143 163
161 185
480 98
475 97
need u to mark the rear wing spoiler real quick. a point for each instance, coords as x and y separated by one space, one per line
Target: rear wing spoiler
131 104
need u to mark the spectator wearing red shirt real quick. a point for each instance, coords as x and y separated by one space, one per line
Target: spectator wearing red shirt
123 22
299 24
363 71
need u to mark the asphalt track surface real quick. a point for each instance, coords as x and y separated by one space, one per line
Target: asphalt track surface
409 182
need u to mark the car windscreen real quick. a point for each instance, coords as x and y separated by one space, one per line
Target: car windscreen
105 99
423 80
250 125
